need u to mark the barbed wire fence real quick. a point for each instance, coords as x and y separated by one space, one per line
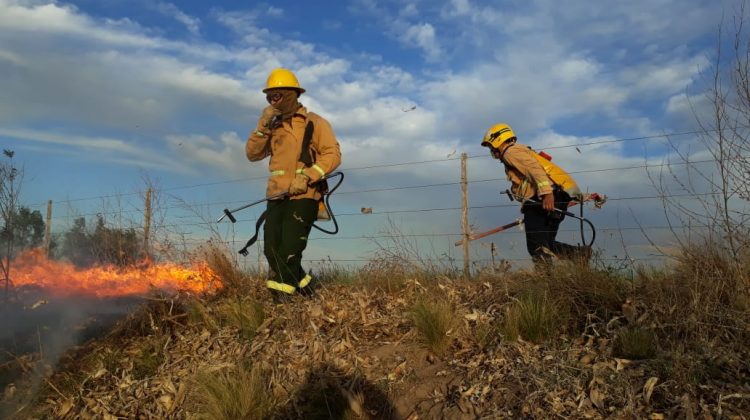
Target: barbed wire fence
190 224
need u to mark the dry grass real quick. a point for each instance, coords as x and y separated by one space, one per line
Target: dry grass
234 280
433 319
244 313
534 317
702 298
149 358
635 343
231 394
484 333
199 314
671 342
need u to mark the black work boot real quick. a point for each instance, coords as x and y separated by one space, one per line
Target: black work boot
307 291
280 297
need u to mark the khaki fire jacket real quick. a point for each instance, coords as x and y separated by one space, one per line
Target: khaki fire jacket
284 145
526 175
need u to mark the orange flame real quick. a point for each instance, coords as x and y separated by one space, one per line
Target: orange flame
32 267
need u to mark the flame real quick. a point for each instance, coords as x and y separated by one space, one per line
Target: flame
61 278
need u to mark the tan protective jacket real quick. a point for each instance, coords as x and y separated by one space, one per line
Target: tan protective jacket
526 175
284 145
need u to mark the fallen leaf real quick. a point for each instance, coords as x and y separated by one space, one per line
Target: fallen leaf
473 316
587 359
622 364
64 408
597 398
39 303
648 388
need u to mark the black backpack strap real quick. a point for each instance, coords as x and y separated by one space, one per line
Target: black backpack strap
258 224
305 155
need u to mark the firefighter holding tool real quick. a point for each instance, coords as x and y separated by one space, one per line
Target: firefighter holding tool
544 190
302 149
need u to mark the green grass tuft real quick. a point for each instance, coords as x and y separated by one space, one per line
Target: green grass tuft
534 317
635 343
433 320
240 393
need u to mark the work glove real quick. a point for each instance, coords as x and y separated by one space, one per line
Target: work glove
299 184
266 118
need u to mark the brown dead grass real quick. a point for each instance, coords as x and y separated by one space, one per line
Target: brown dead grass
671 343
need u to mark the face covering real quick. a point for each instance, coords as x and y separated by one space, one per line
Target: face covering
288 104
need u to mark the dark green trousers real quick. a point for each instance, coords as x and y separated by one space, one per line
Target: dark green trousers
288 223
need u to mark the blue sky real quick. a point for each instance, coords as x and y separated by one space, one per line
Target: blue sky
98 95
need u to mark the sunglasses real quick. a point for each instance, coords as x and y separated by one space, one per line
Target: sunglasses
273 97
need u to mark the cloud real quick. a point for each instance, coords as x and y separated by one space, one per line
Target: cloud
423 36
100 148
132 94
192 24
275 11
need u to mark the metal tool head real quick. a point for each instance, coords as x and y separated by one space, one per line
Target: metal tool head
229 215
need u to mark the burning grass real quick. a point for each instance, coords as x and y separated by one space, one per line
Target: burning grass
573 342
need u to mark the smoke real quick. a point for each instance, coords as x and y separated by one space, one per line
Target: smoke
37 328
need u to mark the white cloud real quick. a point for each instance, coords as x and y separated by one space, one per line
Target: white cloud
537 67
100 148
168 9
275 11
423 36
12 58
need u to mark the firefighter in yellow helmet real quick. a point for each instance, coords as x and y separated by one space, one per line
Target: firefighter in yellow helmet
532 183
286 132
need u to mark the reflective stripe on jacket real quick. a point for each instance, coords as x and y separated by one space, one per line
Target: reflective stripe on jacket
284 144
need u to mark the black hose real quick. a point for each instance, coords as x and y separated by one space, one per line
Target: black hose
326 203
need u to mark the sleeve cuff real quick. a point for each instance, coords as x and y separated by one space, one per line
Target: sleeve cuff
314 172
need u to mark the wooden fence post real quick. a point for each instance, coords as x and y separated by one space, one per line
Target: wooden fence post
147 224
48 228
465 214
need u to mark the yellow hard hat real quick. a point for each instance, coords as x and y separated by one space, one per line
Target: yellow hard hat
282 78
497 135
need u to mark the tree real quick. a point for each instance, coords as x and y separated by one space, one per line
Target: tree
720 192
27 230
76 244
103 245
11 179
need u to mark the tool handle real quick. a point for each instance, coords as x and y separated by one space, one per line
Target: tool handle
230 216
